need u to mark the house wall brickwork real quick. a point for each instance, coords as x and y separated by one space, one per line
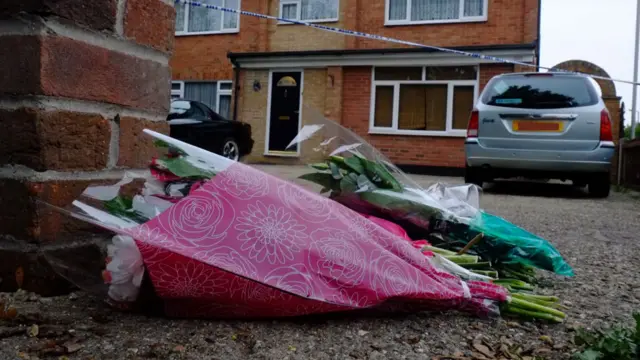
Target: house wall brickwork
204 57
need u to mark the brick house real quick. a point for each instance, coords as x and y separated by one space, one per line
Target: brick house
412 104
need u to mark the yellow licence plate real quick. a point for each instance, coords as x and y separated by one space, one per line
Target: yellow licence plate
537 126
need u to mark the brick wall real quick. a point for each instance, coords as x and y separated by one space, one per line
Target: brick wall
509 22
436 151
291 37
204 57
82 79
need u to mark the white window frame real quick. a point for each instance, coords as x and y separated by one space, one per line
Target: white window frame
224 92
394 130
460 19
185 31
298 4
219 91
179 92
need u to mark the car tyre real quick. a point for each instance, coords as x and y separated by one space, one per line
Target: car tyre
600 186
473 176
230 149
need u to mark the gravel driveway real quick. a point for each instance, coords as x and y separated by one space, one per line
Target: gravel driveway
596 236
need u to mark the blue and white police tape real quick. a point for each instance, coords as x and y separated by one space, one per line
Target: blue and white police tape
388 39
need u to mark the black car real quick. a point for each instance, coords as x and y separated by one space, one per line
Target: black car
195 123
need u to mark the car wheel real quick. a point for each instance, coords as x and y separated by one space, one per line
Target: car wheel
230 149
472 176
600 186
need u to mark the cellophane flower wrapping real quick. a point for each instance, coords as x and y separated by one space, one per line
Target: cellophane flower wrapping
357 175
219 239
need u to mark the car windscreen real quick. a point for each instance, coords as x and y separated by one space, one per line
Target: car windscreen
181 109
540 92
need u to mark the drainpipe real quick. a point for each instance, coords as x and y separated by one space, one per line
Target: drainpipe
236 88
539 33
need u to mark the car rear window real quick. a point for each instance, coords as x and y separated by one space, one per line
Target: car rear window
540 92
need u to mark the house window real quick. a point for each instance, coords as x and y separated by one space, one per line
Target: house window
198 20
224 99
432 100
403 12
216 95
309 10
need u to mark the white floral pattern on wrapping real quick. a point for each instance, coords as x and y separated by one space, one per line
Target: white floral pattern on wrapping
338 257
362 227
186 279
270 233
312 208
200 220
230 260
293 279
244 183
148 239
391 276
354 299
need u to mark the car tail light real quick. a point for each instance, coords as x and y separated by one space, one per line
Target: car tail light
606 134
474 123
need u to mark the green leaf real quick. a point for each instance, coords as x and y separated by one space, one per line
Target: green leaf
123 207
323 179
349 183
184 169
320 166
160 144
355 164
365 184
588 355
636 317
335 171
350 164
379 174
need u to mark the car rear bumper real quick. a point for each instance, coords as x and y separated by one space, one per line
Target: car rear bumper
248 147
597 160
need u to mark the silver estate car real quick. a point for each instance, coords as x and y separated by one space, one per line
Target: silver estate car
549 125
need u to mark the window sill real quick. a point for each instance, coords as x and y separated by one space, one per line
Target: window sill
452 133
434 22
326 21
233 31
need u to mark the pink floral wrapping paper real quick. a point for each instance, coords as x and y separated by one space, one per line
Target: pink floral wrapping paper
248 244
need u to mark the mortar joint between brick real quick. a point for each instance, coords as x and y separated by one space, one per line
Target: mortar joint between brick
49 103
24 173
114 142
120 15
107 42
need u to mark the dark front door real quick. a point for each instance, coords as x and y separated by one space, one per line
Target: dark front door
285 111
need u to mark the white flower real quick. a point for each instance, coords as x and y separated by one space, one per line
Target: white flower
270 233
126 269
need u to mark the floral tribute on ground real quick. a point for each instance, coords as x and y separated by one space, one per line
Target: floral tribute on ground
212 238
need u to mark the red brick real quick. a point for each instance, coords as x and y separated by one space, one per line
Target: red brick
63 67
57 140
34 222
136 147
78 70
151 23
20 54
96 14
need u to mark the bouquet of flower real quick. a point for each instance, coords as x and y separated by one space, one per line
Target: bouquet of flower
361 178
216 238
